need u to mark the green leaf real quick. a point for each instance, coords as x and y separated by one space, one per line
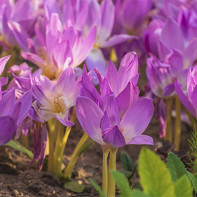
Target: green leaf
126 173
155 178
17 146
193 179
126 161
176 167
137 193
122 183
73 186
183 187
97 188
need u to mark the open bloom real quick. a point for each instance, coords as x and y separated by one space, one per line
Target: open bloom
161 74
108 128
56 46
189 101
115 115
12 110
18 25
55 98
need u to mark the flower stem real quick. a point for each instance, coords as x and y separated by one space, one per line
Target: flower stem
105 170
168 135
112 166
24 140
57 162
61 144
177 125
75 155
51 156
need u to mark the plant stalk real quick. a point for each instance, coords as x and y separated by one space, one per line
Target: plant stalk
112 166
75 155
51 154
177 136
105 170
168 135
60 145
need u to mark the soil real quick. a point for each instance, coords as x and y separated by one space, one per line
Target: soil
20 179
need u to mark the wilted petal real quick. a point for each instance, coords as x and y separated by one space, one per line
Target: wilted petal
89 116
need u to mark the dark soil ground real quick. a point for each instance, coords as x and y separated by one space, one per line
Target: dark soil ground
19 178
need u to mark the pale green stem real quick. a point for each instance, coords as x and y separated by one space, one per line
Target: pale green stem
177 136
75 155
24 140
112 166
191 118
61 144
57 162
168 135
51 154
105 170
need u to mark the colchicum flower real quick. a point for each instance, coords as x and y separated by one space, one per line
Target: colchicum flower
115 116
188 97
55 98
13 110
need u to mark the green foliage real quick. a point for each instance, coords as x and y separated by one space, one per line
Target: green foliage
17 146
137 193
193 149
126 161
176 167
183 187
193 179
74 186
122 183
97 188
155 178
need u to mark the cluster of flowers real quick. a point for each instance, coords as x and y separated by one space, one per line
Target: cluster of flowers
59 36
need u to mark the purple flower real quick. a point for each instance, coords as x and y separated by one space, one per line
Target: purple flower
131 14
188 97
12 113
159 41
161 74
55 98
59 46
17 25
115 115
104 38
